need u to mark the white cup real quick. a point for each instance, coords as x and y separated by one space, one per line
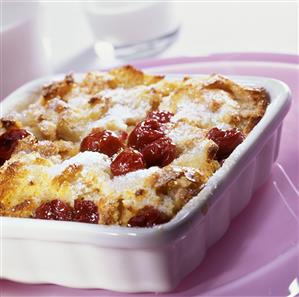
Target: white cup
22 53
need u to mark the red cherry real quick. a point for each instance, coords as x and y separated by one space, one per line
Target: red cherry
105 142
227 141
144 133
148 216
85 211
54 210
8 142
160 153
127 161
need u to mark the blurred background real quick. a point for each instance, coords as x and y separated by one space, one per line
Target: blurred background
44 37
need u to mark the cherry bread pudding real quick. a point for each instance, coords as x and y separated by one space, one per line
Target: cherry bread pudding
121 148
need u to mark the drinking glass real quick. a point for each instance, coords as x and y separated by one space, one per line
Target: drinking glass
131 30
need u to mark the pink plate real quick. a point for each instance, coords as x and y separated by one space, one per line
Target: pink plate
259 254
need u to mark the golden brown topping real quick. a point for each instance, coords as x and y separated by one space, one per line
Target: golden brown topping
111 211
180 185
21 206
140 192
59 88
95 100
69 174
10 123
252 101
128 77
47 148
220 84
93 83
214 105
60 108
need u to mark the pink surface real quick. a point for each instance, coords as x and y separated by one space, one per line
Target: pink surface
259 254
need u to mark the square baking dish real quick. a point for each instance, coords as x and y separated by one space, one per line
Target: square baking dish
143 259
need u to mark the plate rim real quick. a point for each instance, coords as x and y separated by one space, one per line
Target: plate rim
221 56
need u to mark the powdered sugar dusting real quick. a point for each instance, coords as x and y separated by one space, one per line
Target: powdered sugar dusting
124 96
116 116
200 112
132 180
86 159
183 132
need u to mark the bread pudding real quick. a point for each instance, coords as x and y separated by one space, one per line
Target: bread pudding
121 148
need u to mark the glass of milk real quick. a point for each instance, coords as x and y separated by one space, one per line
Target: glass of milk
22 52
129 30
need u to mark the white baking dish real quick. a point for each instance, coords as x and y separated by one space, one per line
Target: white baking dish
143 259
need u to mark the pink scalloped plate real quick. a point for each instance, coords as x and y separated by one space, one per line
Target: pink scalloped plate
259 254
